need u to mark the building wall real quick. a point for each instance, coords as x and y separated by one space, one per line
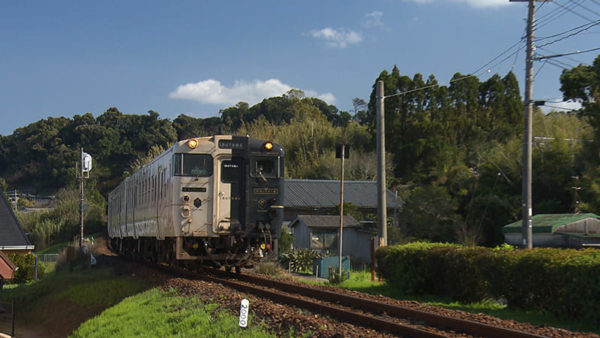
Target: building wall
356 244
5 271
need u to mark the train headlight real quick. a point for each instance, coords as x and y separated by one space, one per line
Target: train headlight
268 146
192 143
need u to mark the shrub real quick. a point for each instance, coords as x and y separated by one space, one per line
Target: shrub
26 271
300 260
564 282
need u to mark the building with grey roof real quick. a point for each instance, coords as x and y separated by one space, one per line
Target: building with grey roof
12 237
321 233
320 197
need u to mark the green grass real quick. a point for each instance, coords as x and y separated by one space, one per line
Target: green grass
55 249
361 281
97 287
160 313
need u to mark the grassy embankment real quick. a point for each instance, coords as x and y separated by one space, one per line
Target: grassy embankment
119 305
361 281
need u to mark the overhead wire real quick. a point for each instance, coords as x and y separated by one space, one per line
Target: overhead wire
568 31
567 54
566 57
553 15
571 34
571 9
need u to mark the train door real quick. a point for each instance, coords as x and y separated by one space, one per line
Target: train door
230 194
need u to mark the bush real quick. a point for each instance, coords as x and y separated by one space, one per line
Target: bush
26 264
300 260
268 268
564 282
402 265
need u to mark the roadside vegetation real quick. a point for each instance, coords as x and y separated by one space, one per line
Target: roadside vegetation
168 315
361 281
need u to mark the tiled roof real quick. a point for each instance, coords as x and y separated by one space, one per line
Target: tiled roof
326 193
548 223
325 221
12 236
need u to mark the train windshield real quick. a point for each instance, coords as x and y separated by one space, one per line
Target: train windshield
265 167
192 165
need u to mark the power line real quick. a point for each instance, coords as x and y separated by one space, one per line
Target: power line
566 57
567 31
556 13
570 35
572 11
566 54
500 55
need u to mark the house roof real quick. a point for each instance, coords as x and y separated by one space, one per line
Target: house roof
548 223
12 236
326 193
325 221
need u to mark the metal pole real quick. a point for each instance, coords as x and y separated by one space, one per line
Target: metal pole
12 333
381 201
526 226
341 210
81 202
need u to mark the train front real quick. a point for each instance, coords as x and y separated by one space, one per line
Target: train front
264 207
231 211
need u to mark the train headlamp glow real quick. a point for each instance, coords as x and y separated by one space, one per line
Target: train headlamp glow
268 146
192 144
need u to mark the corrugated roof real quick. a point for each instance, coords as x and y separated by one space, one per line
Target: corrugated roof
547 223
12 236
326 193
325 221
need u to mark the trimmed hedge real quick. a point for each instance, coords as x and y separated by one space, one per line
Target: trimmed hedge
565 282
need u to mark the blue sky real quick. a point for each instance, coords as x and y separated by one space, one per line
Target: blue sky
61 58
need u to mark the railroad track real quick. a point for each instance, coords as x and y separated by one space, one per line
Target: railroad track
359 311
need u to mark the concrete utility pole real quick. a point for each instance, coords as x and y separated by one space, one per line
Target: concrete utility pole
381 189
527 226
341 208
527 213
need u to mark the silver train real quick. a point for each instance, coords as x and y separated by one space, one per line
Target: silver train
211 200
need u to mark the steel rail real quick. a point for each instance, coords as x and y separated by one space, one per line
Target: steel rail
440 321
340 313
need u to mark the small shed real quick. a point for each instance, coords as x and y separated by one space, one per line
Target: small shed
558 230
321 233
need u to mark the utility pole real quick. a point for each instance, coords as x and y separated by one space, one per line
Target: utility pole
81 197
381 189
576 189
527 226
342 156
82 173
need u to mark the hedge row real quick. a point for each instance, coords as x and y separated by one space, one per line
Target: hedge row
565 282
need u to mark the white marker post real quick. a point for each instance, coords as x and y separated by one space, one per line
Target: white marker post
244 313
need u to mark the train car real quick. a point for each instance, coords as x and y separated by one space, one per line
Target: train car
211 200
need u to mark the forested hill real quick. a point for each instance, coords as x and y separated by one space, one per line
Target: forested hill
457 147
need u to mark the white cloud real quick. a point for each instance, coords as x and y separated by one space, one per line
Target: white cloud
474 3
373 19
211 91
334 38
